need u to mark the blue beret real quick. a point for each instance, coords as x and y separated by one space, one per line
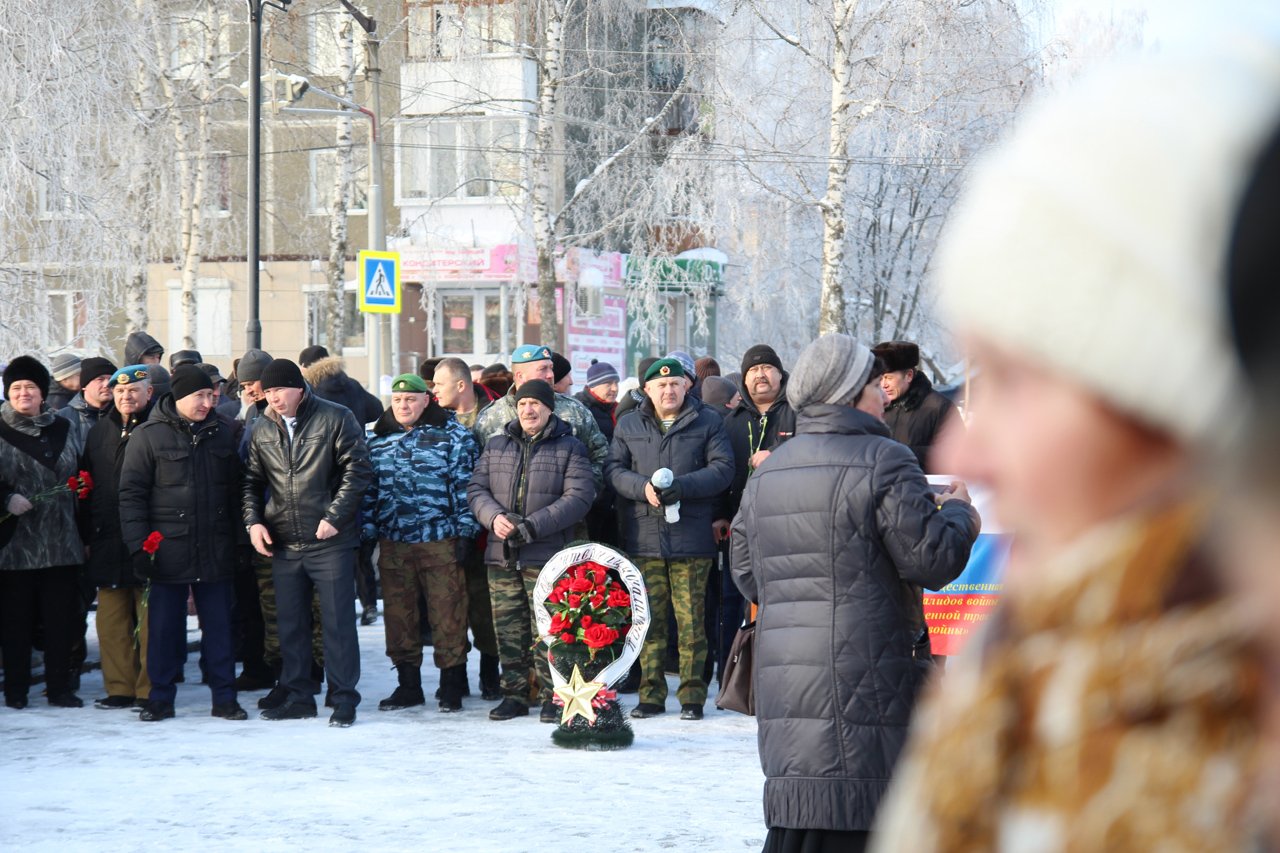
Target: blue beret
526 353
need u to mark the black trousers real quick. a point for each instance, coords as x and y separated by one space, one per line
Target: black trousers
331 572
48 596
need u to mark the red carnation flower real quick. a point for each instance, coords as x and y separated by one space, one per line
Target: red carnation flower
152 543
597 600
581 585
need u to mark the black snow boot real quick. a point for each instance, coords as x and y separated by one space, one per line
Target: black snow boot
490 688
409 693
453 683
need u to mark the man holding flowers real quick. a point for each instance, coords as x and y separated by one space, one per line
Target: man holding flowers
181 480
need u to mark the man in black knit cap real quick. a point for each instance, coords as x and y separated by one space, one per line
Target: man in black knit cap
310 456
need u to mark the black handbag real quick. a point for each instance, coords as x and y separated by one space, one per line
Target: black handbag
736 691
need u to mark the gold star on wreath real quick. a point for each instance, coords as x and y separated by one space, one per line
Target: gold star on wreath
577 696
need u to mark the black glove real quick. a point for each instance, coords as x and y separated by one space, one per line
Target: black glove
142 565
463 548
671 494
525 531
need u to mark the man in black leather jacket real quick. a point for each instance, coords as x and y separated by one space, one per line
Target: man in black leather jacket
310 457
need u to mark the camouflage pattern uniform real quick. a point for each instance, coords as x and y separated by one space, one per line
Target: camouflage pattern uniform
417 509
408 568
511 591
494 419
683 582
479 608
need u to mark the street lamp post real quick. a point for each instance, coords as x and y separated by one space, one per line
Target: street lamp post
253 328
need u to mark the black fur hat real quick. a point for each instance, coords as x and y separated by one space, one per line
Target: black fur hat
26 367
898 355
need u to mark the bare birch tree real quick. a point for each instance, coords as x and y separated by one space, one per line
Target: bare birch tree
912 89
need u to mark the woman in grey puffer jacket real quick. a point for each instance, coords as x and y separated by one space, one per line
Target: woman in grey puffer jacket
835 530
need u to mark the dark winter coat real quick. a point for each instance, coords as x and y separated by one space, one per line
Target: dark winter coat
604 413
545 478
321 474
136 346
36 454
916 418
751 430
420 477
108 564
182 479
60 396
83 417
330 382
835 528
696 449
495 418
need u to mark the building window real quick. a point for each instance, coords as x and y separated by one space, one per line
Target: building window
318 320
470 325
219 183
460 158
60 324
451 30
213 316
190 34
55 197
322 176
325 43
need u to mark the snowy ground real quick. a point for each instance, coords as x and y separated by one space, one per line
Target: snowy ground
406 780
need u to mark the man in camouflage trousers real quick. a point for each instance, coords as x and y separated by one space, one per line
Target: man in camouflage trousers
530 489
417 509
673 431
530 361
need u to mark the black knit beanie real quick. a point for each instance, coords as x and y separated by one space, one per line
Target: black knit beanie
187 379
282 373
538 390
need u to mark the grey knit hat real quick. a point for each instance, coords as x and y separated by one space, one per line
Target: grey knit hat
252 363
832 369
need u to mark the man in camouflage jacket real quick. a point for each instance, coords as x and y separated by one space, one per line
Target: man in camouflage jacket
417 510
529 361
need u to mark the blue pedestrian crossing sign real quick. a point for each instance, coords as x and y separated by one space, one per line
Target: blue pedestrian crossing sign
379 282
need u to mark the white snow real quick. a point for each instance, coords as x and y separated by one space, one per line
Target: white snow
401 780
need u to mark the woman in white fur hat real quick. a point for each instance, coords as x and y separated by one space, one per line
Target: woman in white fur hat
1110 703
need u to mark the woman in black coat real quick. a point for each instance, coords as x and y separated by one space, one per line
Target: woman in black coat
834 531
40 548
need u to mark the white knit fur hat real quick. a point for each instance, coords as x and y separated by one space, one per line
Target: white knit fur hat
1094 239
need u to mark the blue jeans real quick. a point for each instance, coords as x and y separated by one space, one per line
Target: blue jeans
167 641
331 573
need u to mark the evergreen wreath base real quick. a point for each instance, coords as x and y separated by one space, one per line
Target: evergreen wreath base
610 731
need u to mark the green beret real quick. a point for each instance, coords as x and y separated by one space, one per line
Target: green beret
526 353
662 368
410 382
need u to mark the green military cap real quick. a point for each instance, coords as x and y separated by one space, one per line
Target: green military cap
410 382
526 353
662 368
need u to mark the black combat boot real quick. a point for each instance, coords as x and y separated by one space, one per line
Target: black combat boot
453 683
409 693
490 688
